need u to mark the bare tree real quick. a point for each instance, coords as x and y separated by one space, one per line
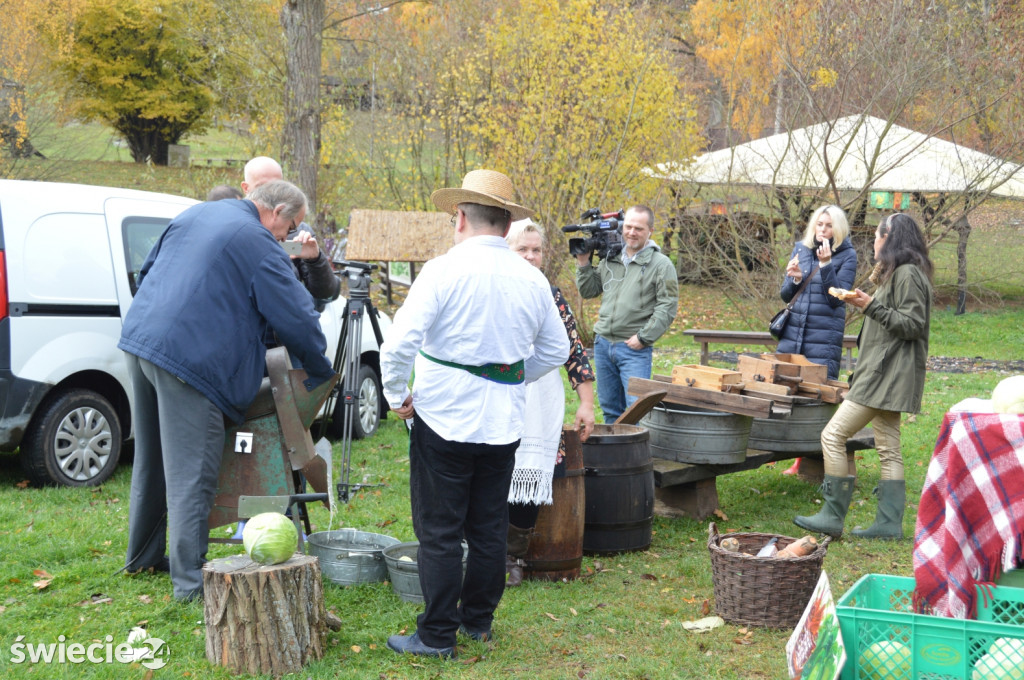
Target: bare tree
303 22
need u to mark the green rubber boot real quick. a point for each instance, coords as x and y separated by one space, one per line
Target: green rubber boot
892 500
837 492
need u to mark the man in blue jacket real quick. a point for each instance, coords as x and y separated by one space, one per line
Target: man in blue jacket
207 292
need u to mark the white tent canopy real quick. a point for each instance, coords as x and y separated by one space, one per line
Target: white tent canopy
862 152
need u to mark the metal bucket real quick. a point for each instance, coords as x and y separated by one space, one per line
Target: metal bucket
348 557
619 490
405 573
693 435
799 432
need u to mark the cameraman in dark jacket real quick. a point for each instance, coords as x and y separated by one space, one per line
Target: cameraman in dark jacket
640 294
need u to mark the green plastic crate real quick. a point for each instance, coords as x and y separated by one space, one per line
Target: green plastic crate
877 614
1001 604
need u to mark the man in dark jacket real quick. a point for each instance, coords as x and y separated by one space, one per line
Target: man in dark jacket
311 266
193 337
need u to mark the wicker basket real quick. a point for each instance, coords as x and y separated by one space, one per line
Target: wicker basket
769 592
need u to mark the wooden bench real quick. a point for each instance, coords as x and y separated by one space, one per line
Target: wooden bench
707 337
689 489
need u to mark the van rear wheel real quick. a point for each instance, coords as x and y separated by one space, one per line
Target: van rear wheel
367 416
74 440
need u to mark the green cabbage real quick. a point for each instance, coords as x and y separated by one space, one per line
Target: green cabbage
1008 396
1004 661
270 538
884 660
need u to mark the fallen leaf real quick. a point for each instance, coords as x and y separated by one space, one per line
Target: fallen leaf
666 590
472 659
41 583
648 577
612 630
22 484
145 599
704 625
356 648
551 616
41 573
573 611
721 515
705 608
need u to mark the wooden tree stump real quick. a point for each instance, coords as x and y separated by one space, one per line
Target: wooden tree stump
264 619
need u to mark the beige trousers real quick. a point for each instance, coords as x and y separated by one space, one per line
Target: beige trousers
847 421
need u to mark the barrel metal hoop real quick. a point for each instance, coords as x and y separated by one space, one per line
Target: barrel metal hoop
618 472
553 565
620 526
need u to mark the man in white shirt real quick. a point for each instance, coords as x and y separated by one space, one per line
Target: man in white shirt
478 323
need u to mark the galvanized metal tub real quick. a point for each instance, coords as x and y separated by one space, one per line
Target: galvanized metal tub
349 557
405 573
694 435
799 432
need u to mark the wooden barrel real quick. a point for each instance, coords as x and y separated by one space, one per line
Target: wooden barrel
556 546
619 490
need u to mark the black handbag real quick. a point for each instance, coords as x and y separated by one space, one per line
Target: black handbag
778 322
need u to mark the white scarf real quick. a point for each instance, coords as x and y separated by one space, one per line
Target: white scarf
535 457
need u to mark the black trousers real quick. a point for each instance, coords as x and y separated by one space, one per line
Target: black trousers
458 490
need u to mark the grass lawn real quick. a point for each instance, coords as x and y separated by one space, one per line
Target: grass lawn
623 619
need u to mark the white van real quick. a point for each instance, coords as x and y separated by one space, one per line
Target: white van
69 257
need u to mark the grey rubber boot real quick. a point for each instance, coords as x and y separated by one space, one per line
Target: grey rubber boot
837 491
517 543
892 500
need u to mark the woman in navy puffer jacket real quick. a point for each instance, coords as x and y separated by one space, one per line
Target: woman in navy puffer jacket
817 322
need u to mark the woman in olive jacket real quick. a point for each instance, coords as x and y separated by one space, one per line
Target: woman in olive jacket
889 380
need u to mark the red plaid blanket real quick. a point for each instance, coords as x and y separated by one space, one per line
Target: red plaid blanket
971 518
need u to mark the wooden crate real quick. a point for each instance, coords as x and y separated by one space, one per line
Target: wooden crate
705 377
807 370
766 370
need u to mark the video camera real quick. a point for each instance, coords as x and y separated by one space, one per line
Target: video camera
605 231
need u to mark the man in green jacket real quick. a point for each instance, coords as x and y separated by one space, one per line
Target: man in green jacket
641 294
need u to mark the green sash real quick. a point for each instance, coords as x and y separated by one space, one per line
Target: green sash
506 374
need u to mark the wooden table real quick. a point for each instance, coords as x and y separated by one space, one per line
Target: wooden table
690 489
706 337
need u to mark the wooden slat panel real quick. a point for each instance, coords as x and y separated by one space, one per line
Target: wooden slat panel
398 236
716 401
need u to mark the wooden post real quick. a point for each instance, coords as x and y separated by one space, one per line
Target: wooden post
264 620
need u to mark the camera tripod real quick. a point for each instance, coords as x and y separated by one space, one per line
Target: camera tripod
347 361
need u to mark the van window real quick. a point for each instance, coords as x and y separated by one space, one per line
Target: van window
140 234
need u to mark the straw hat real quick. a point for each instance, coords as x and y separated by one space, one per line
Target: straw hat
485 187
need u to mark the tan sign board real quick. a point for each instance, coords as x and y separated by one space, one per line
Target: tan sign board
397 235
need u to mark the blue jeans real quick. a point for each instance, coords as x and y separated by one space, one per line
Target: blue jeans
616 363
